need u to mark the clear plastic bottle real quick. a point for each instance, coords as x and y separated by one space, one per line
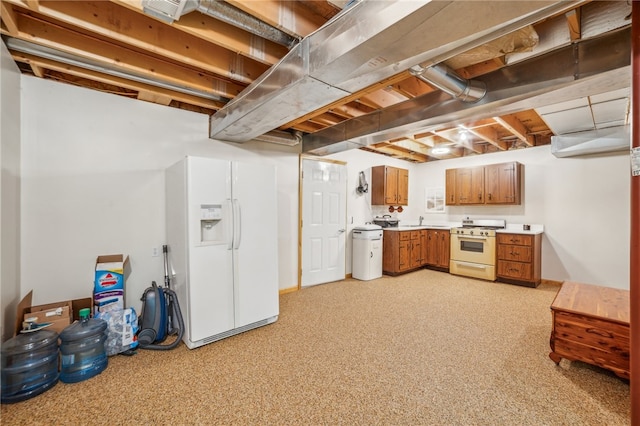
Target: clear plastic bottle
29 365
82 348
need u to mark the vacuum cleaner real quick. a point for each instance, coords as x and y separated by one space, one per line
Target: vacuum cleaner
160 316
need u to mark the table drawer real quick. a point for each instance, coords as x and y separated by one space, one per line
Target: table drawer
515 253
515 270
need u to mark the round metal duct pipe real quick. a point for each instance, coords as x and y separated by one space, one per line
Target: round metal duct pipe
445 79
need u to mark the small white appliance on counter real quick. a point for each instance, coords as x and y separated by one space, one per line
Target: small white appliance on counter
367 252
223 245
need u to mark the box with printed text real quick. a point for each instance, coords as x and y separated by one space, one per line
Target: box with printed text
109 281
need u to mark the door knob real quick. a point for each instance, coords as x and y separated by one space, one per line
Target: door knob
340 231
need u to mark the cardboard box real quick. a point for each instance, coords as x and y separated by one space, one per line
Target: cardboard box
69 311
109 281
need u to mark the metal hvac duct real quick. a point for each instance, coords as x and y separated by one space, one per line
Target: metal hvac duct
445 79
590 66
281 137
369 42
172 10
236 17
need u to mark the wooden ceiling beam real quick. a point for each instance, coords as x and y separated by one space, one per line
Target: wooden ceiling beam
33 4
490 135
382 98
482 68
125 26
219 33
9 18
515 127
155 98
116 81
65 40
406 153
573 22
348 99
412 87
288 16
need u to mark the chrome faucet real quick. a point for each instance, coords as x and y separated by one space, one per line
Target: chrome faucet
421 219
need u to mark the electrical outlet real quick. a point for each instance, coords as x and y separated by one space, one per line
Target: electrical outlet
155 251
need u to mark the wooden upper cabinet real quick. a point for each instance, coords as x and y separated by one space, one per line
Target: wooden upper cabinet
389 186
403 187
502 184
470 185
450 188
492 184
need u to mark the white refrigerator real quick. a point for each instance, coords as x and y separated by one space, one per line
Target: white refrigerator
223 246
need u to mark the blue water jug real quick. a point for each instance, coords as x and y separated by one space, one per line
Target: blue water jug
29 365
82 348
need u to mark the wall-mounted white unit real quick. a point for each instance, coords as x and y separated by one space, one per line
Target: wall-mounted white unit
592 142
223 246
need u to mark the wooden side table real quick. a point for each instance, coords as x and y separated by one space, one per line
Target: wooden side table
591 324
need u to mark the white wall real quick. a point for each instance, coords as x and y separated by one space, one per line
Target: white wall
359 208
93 183
9 191
583 202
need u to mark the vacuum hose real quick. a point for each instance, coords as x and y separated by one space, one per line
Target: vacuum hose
172 301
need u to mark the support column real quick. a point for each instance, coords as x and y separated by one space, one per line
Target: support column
635 218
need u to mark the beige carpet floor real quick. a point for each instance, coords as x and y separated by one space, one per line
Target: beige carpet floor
426 348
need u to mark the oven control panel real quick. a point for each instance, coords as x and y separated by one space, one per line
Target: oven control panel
481 232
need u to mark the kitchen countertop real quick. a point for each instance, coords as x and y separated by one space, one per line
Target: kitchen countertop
417 227
510 229
517 229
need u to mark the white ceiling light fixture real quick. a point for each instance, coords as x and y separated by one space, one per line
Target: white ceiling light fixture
441 150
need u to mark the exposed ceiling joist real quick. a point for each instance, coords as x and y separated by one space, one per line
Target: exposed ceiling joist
200 63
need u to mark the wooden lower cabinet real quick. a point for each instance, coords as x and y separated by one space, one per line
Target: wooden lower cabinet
401 251
405 251
519 259
591 324
438 248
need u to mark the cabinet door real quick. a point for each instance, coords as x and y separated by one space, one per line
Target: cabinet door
391 185
450 187
502 183
416 250
404 255
470 185
403 187
444 248
424 238
432 247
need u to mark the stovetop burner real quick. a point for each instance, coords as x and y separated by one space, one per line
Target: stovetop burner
482 227
492 224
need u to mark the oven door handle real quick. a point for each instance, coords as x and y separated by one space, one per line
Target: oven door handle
463 237
471 265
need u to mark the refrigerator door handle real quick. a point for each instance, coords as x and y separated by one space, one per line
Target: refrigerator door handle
237 225
231 208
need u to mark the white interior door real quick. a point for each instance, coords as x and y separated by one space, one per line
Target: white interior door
324 217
